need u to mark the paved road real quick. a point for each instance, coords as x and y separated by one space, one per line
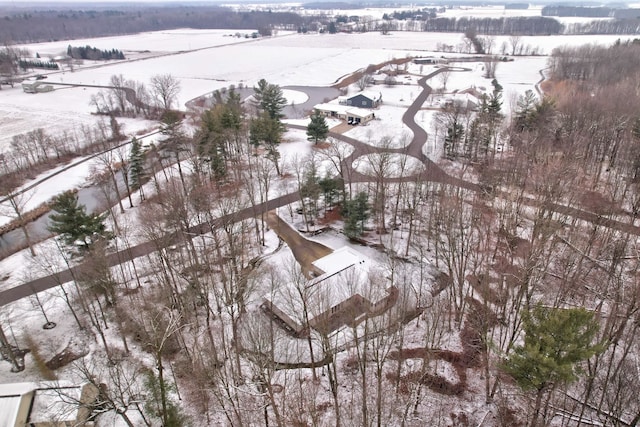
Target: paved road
432 173
48 282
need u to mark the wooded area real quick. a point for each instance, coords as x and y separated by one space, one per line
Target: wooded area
518 300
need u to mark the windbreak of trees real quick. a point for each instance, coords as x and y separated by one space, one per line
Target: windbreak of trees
88 52
614 26
46 25
511 25
47 65
589 12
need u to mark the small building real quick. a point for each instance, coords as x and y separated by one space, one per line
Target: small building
350 289
48 404
36 86
364 100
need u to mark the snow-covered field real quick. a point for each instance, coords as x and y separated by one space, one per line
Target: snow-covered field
313 59
288 59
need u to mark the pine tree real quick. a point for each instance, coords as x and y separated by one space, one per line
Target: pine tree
525 109
267 131
136 160
269 98
71 221
555 341
317 129
355 213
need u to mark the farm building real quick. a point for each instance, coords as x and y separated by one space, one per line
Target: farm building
352 115
350 289
35 86
364 100
45 404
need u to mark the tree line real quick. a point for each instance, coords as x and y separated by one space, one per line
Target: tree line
93 53
48 25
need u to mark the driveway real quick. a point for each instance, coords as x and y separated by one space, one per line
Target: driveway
305 251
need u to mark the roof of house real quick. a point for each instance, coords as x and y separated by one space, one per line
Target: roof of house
56 403
346 272
374 96
9 405
47 403
344 109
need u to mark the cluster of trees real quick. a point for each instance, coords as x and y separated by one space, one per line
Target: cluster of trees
470 131
8 62
45 25
582 11
47 65
604 26
93 53
595 63
484 26
419 15
133 98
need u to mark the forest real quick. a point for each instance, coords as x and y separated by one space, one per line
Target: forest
19 26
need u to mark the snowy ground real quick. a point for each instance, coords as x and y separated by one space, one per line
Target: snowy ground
310 60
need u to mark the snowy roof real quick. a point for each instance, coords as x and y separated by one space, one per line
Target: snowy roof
11 396
346 273
374 96
9 406
46 403
58 403
338 260
343 109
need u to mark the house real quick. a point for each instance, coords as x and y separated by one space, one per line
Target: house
364 100
350 289
351 115
48 404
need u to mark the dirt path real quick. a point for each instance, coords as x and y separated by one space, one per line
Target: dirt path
304 250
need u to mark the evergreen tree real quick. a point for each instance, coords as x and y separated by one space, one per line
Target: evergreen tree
136 161
455 132
267 131
331 188
555 341
317 129
269 98
71 221
525 108
355 214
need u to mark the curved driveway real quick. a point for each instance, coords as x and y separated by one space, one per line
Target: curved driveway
432 173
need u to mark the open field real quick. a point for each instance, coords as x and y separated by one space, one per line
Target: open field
204 61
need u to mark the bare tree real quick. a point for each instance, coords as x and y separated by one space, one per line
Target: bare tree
444 75
515 41
490 66
364 81
18 202
119 88
165 89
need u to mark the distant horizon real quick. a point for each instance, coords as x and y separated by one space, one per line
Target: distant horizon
374 3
